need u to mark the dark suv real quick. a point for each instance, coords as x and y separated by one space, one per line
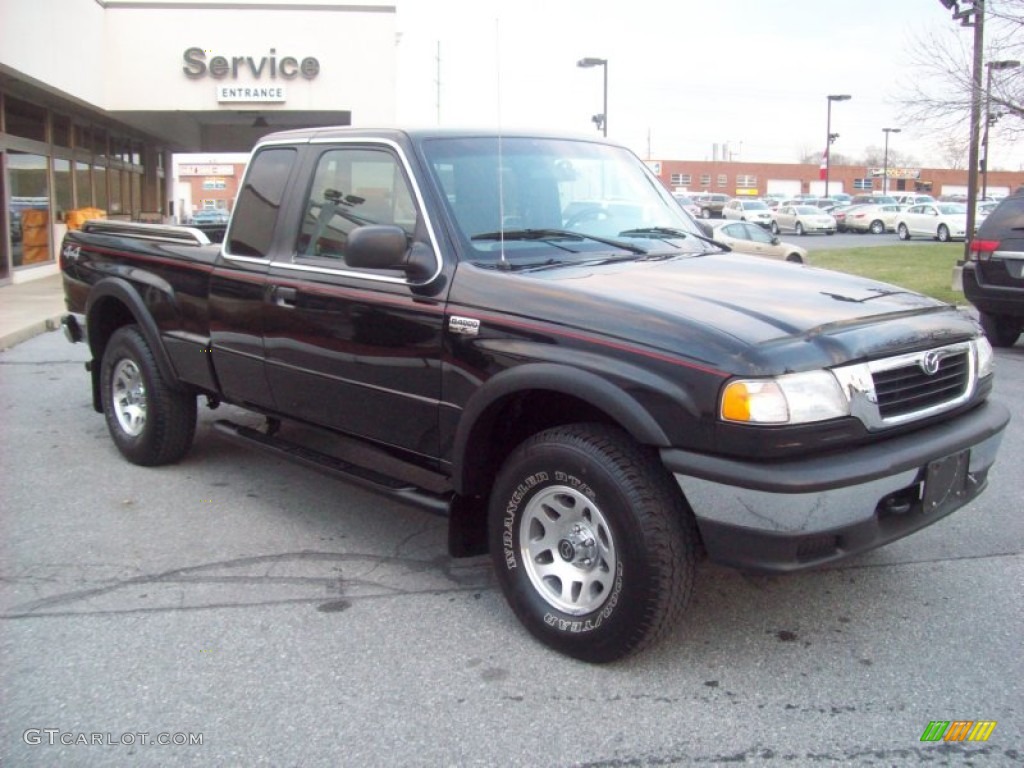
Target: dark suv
994 273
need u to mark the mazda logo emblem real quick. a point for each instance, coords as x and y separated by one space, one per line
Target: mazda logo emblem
566 550
930 363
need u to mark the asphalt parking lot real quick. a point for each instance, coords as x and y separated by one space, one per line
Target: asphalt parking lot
285 618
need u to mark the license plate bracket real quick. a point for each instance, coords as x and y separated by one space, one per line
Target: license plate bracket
945 480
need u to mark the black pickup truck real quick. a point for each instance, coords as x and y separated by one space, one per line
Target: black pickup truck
543 346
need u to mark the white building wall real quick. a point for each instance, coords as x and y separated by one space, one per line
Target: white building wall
56 43
355 51
128 57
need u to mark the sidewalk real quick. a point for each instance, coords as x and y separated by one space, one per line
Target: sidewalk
28 309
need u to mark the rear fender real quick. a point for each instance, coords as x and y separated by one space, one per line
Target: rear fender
114 302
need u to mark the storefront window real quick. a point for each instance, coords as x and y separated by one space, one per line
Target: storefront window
29 208
136 180
62 187
82 138
114 180
24 119
100 179
62 131
83 182
99 142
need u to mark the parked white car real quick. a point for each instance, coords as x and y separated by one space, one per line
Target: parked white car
876 219
748 210
942 221
802 219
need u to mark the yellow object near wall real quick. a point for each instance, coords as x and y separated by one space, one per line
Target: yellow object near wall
76 218
35 236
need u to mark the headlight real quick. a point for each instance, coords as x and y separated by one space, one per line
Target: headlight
984 352
794 398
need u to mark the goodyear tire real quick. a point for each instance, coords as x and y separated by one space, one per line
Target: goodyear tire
592 541
150 422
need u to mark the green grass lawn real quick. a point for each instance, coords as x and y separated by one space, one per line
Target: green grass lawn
926 269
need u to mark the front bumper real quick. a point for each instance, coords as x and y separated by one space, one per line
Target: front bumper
993 299
787 516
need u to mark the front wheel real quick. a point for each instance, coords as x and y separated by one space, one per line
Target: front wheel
592 542
150 421
800 229
705 213
902 232
943 233
775 228
795 258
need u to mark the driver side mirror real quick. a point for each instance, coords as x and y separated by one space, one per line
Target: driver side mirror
775 240
385 246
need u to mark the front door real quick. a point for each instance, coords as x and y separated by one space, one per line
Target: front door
355 350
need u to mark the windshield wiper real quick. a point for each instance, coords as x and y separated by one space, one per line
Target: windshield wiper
554 234
667 232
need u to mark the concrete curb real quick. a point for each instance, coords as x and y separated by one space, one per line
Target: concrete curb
15 337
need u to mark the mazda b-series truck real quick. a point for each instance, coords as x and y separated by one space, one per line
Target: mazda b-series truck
544 347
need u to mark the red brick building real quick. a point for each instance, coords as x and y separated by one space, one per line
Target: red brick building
213 185
741 178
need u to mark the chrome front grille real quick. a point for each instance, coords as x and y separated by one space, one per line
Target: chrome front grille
897 390
910 388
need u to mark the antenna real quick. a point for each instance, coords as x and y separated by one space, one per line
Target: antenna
503 263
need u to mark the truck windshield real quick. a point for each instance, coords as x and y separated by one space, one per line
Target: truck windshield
517 184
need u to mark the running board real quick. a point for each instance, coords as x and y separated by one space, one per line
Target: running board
437 503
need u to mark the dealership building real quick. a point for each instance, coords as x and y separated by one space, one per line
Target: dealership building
97 95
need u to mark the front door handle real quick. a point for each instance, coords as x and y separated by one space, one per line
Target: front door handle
284 297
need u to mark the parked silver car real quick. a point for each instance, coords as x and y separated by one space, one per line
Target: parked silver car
876 219
756 211
744 237
802 219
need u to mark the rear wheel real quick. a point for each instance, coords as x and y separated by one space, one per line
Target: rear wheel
705 213
795 258
877 227
800 229
902 232
943 233
150 422
775 228
1001 330
592 541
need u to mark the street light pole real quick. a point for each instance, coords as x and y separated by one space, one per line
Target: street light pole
829 137
885 160
1005 64
602 119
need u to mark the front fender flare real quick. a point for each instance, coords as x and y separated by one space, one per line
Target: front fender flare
581 384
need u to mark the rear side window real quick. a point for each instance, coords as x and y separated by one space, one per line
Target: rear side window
259 201
1006 216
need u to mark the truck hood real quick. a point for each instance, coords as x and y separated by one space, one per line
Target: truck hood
735 312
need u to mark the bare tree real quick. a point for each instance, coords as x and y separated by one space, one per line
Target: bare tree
938 93
953 151
875 157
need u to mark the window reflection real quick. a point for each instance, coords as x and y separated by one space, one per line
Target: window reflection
29 208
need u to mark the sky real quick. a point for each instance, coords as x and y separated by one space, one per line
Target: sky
683 75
